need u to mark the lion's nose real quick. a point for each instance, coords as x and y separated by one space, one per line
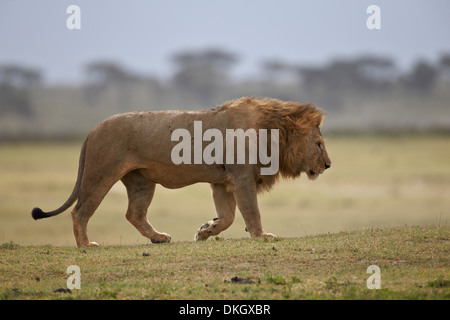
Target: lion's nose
327 165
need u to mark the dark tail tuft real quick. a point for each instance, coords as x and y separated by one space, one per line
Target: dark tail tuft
38 214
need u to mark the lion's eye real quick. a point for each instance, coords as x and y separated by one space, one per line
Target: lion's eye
319 145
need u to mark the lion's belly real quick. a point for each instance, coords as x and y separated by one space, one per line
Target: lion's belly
178 176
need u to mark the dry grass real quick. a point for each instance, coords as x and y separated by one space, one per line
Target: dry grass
413 264
374 182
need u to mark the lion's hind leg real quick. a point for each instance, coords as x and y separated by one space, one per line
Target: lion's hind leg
140 193
225 209
90 198
80 221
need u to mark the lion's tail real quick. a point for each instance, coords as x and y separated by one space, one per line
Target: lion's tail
37 213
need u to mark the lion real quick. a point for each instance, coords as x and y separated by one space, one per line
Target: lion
136 148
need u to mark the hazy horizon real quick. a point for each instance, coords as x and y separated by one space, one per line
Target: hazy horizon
142 35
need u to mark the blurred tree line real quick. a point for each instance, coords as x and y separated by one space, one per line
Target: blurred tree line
203 79
16 82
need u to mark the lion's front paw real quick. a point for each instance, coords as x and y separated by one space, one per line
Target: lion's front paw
161 238
200 236
204 231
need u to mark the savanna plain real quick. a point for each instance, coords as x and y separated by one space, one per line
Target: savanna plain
385 201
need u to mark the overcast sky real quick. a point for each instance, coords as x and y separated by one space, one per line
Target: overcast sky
142 34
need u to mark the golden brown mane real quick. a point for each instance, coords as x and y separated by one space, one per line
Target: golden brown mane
293 120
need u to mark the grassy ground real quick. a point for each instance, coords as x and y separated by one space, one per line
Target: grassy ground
373 202
413 264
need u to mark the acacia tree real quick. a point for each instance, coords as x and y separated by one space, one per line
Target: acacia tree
202 73
422 78
103 75
16 83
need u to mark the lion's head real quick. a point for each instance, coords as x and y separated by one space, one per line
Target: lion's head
316 159
302 147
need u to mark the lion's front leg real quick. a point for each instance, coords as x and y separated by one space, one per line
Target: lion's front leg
247 202
225 208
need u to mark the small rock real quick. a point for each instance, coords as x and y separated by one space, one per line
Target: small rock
146 254
62 290
241 280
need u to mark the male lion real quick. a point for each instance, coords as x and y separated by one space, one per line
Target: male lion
136 149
